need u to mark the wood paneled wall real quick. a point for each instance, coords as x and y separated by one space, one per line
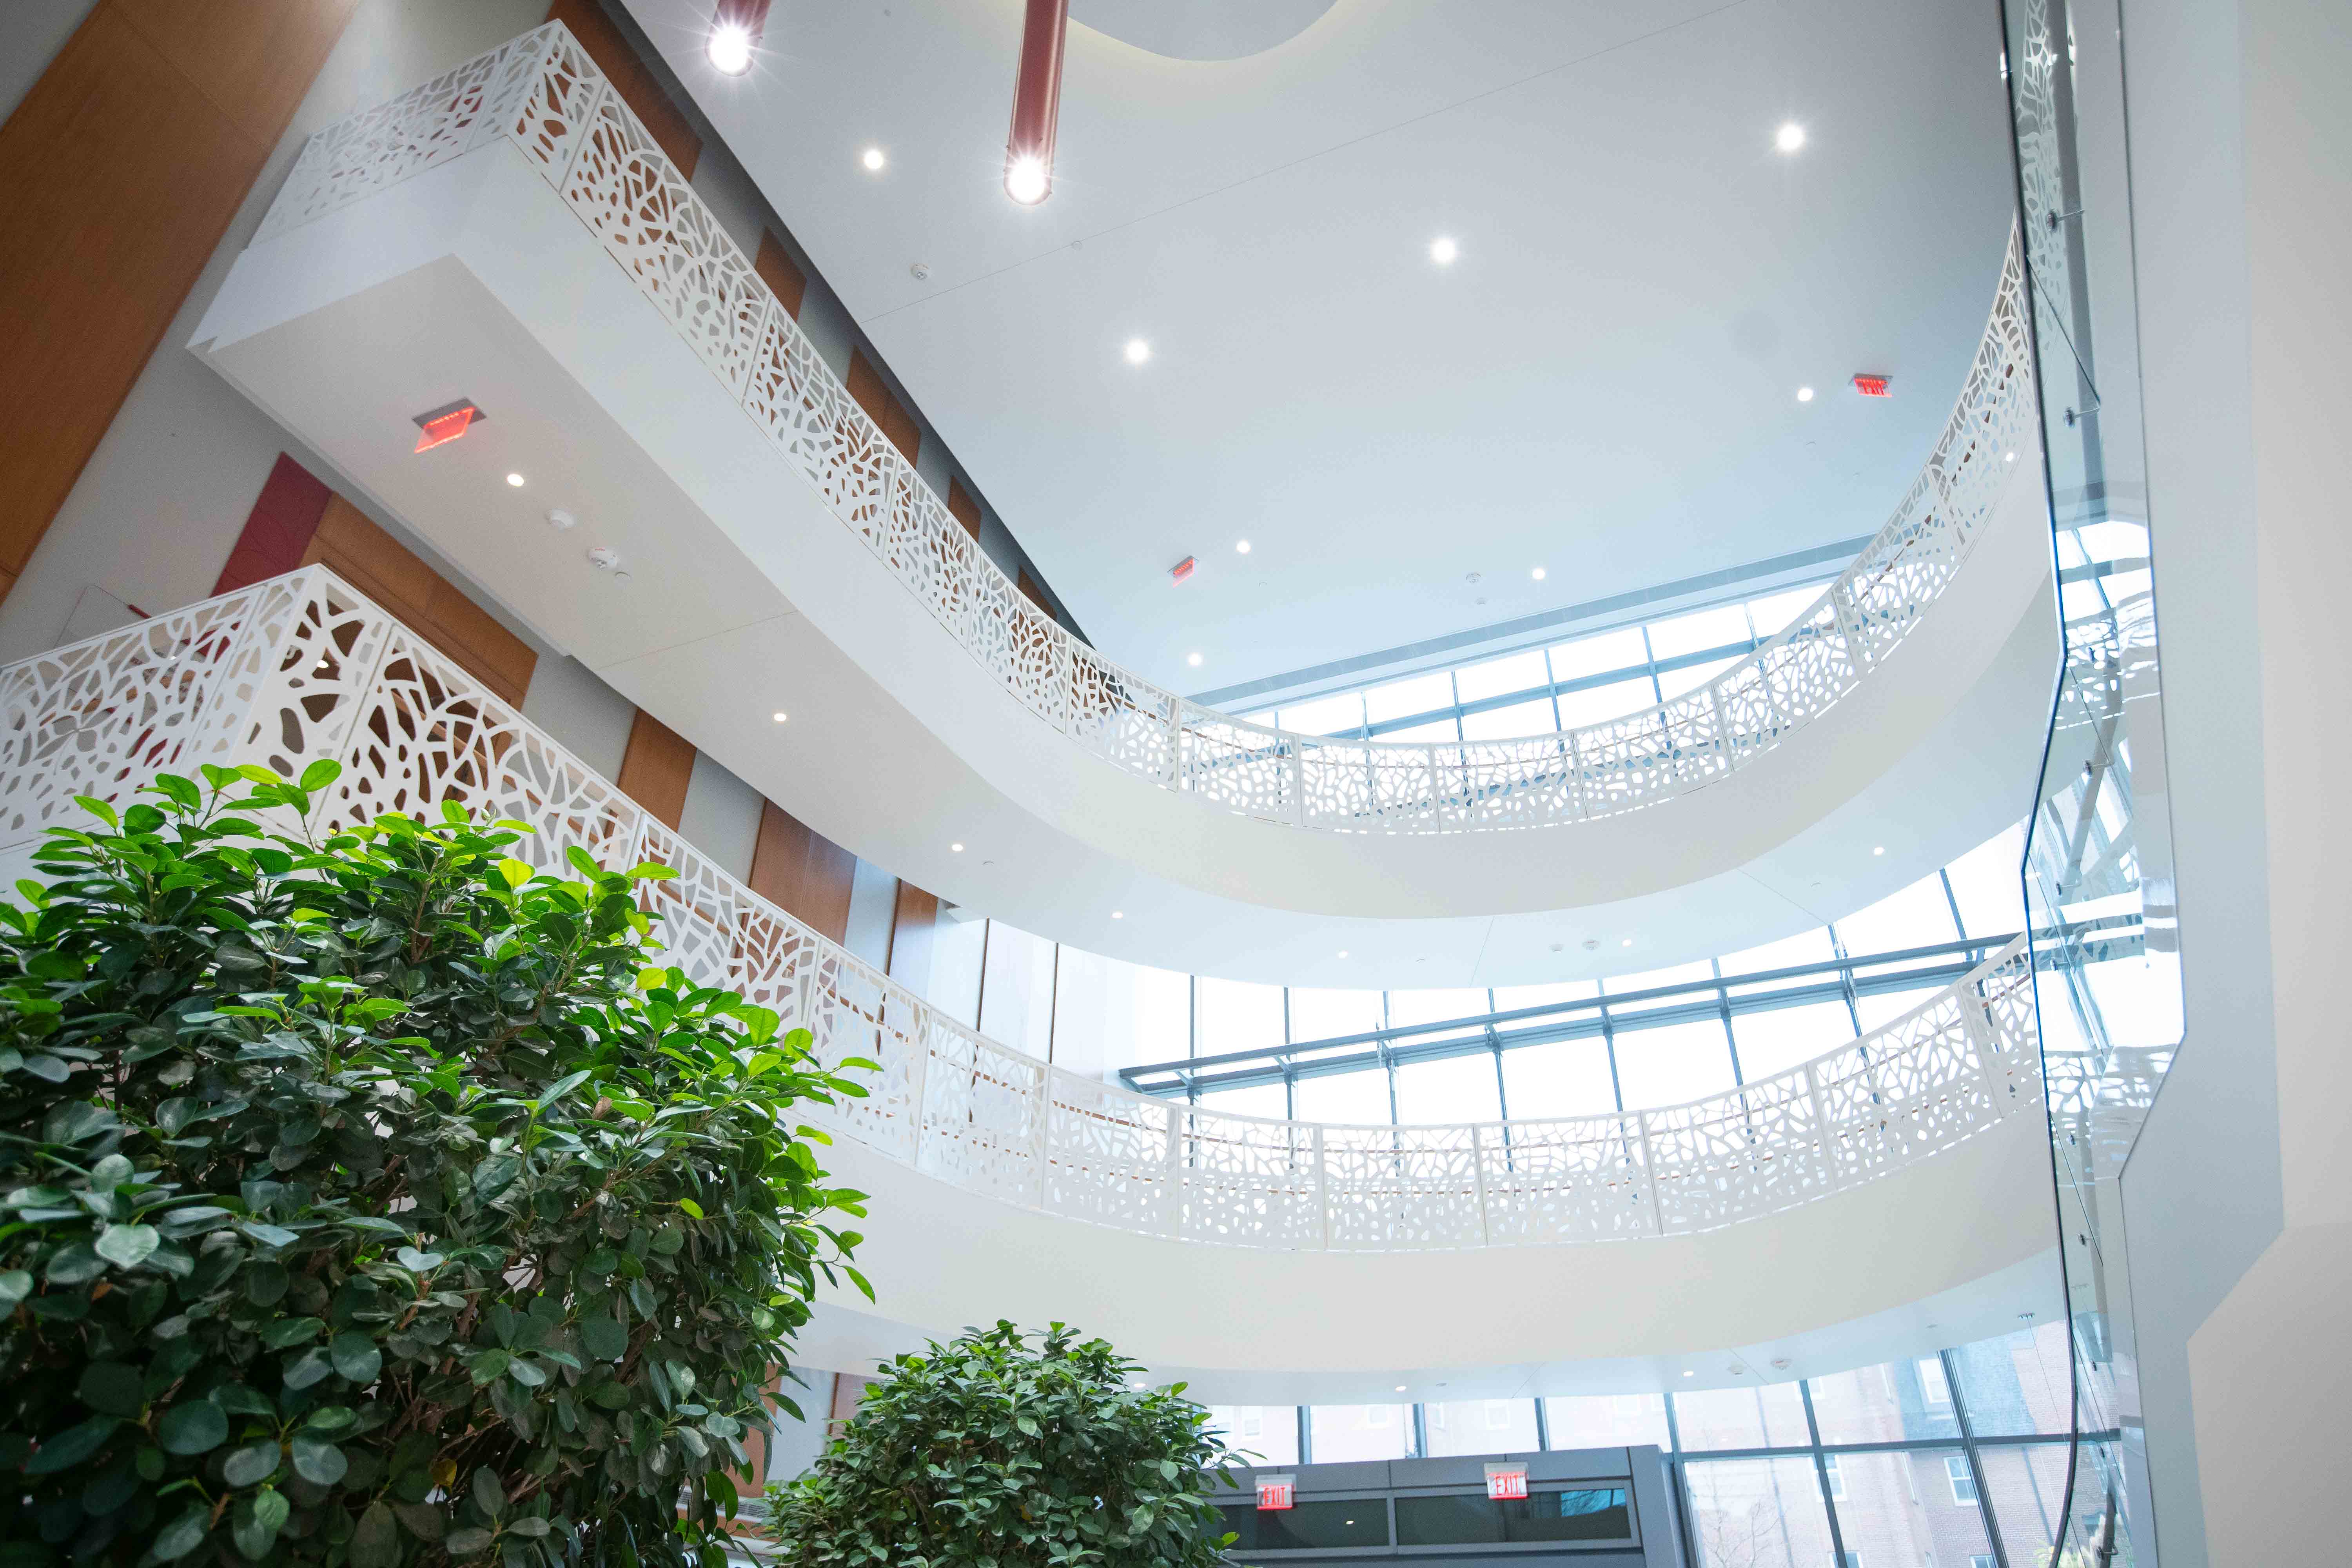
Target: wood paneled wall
802 871
657 768
638 88
873 395
119 174
962 507
779 272
914 937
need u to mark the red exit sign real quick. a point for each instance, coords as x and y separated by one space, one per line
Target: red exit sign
1872 386
1505 1482
1275 1491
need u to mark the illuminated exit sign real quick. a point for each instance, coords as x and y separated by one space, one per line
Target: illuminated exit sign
1507 1481
1276 1491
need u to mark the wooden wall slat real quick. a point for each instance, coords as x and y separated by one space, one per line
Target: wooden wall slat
914 936
962 507
638 86
802 871
397 578
779 272
120 172
898 422
656 768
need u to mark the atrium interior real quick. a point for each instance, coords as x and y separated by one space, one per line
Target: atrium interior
1453 715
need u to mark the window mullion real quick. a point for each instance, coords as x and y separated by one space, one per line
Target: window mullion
1822 1473
1975 1461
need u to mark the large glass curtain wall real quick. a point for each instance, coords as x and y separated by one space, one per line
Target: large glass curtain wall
1587 679
1951 1460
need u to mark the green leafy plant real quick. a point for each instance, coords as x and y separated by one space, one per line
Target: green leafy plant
373 1199
987 1452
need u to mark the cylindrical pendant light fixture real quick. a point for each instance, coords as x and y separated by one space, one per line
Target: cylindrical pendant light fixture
736 29
1036 103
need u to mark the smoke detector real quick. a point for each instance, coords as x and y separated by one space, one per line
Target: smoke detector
561 520
604 558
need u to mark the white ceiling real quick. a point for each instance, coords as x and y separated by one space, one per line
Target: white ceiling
1602 385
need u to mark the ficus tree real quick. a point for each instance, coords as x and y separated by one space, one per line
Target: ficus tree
374 1198
991 1452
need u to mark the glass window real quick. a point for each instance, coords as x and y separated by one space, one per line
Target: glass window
1237 1015
1257 1433
1606 1420
1700 974
1109 1013
1457 1088
1441 730
1672 1063
1552 1513
1403 699
1329 1014
1917 916
1602 651
1769 613
1267 1100
1757 1514
957 946
1698 630
1338 1432
1480 1427
1510 998
1897 1509
1308 1524
1769 1416
1672 683
1326 715
2017 1385
1350 1098
1985 885
1934 1391
1964 1485
1016 990
1834 1476
1878 1008
1806 947
1599 704
1885 1404
1436 1006
2024 1486
1565 1077
1534 718
1519 672
1783 1038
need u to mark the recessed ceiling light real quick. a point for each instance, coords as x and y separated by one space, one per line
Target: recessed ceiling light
1537 573
1138 351
1627 942
2009 456
1789 137
778 715
1442 251
1804 395
1118 914
515 480
874 158
1194 659
1343 952
957 847
1399 1388
1878 849
1690 1375
1241 547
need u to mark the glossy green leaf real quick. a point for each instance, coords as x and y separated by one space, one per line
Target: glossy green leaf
196 1427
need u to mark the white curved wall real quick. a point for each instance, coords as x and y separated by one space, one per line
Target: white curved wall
1954 1249
749 596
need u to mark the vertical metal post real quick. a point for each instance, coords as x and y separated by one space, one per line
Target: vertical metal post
1976 1460
1478 1179
1322 1193
1821 1474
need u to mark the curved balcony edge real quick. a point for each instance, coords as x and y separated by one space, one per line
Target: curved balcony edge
541 94
303 667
